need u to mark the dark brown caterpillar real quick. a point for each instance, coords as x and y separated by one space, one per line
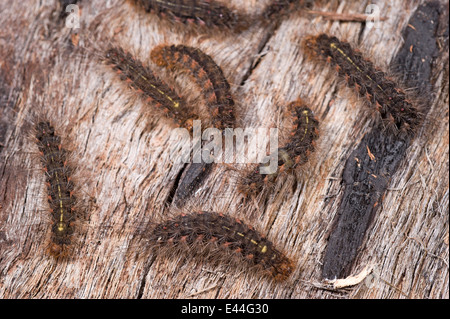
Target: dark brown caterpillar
295 152
371 83
206 74
203 12
146 82
279 7
59 188
222 237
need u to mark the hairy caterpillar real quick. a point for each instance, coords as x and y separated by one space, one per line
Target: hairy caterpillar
60 187
221 236
203 12
206 74
279 7
295 152
380 91
146 82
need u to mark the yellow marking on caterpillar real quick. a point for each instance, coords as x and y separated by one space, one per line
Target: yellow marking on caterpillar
175 104
263 248
61 209
334 46
306 113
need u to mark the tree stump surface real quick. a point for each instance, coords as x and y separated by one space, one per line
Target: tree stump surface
126 175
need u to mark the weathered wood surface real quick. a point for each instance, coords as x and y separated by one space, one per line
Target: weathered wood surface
124 166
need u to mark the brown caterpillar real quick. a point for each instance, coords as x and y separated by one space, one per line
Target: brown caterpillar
60 187
153 89
371 83
295 152
217 235
206 74
279 7
203 12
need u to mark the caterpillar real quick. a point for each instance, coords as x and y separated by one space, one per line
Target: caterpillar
154 90
380 91
279 7
293 154
60 187
203 12
205 73
221 236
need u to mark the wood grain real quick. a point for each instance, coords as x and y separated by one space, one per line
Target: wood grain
128 176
